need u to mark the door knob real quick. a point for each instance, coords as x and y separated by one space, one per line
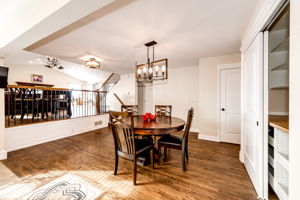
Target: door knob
223 109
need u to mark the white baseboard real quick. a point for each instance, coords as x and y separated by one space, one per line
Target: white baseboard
241 156
195 130
208 137
3 155
278 113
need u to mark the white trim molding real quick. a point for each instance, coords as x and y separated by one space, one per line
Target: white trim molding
241 156
208 137
259 20
3 155
279 113
229 66
195 130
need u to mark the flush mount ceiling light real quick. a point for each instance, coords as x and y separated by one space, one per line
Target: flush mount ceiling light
152 70
92 63
53 63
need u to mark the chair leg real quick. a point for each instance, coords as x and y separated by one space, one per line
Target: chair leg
183 160
134 172
116 164
165 153
152 158
159 154
186 154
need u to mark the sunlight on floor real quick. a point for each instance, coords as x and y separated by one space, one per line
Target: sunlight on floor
13 187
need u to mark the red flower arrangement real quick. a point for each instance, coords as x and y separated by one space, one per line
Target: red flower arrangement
149 117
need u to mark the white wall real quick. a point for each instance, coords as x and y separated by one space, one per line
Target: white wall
180 91
23 73
208 92
279 102
3 153
27 22
28 135
294 125
125 89
29 12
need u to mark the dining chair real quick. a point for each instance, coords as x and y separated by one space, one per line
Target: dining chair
163 110
130 109
177 142
126 145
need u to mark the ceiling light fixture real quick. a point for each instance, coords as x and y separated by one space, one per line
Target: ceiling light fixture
152 70
92 63
53 63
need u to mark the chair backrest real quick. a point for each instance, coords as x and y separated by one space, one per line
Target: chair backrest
163 110
130 109
123 133
188 124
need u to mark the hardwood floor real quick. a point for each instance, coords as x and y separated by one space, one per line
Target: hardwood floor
213 171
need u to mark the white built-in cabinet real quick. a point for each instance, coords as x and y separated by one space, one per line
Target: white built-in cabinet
278 74
278 164
279 53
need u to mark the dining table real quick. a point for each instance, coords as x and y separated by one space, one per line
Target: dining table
162 125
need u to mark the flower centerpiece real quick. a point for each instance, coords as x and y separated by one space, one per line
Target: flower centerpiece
148 117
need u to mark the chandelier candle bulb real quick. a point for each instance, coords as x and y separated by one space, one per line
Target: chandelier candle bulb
150 70
139 71
145 70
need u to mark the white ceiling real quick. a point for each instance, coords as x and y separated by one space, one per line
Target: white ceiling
185 30
77 71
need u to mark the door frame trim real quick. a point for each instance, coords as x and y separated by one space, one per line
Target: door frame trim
220 68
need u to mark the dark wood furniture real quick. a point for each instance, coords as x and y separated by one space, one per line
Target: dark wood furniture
161 126
176 142
34 84
165 110
33 101
130 109
126 145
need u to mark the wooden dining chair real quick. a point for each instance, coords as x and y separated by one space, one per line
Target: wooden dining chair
163 110
126 145
177 142
130 109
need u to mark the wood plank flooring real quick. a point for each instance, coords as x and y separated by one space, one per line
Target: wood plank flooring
213 171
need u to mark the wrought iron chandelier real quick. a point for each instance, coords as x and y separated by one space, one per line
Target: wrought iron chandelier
152 70
92 63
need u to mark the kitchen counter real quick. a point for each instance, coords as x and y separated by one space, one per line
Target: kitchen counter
280 122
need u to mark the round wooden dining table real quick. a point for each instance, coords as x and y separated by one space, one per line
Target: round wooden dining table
161 126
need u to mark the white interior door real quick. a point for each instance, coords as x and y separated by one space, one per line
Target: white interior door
252 100
230 105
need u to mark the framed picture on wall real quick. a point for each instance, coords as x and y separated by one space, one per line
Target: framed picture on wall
37 78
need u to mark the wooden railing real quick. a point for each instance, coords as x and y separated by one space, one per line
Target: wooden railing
26 104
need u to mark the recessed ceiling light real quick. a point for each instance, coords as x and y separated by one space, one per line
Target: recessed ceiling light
30 62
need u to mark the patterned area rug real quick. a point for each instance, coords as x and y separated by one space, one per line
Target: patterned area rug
67 187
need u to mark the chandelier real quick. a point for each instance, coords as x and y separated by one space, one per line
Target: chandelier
53 63
152 70
92 63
